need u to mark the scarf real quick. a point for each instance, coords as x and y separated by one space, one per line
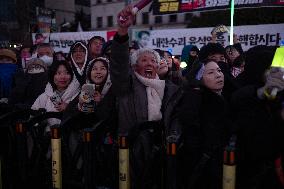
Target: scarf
7 71
155 93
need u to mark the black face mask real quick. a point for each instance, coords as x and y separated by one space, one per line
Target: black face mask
191 59
224 66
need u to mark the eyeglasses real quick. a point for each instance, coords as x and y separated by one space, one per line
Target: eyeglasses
78 51
164 60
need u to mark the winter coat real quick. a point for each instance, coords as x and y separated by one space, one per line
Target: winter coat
230 84
260 136
27 87
44 101
205 133
131 93
105 150
133 115
7 71
103 110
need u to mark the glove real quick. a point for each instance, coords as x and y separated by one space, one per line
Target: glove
274 83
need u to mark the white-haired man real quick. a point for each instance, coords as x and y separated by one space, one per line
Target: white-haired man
145 104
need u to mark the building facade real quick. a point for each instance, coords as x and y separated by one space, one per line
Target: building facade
64 9
104 12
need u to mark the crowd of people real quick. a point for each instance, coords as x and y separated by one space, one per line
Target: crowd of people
145 95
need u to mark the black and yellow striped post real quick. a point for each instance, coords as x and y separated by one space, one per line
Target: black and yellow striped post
88 159
171 180
171 149
21 151
229 166
56 157
124 175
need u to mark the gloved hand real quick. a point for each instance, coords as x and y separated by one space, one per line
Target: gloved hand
4 100
86 98
274 83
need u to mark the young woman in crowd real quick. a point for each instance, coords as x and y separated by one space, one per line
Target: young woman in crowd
95 105
104 109
205 127
168 70
98 77
59 91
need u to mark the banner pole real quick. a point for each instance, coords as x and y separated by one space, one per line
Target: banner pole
232 22
124 175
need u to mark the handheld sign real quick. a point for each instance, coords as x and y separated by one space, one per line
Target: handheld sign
137 7
220 30
278 63
278 60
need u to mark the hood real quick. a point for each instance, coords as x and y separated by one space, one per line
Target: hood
107 83
80 71
185 52
72 89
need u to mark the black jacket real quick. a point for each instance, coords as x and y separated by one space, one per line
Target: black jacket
206 131
27 87
260 135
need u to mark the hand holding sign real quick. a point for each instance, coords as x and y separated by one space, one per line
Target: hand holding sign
125 19
127 15
274 77
219 30
138 6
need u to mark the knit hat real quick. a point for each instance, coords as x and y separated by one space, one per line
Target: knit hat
8 53
36 61
210 49
135 55
257 60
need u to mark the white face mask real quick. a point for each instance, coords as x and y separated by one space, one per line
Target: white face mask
47 59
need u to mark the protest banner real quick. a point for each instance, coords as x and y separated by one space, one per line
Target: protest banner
178 6
249 36
63 41
174 40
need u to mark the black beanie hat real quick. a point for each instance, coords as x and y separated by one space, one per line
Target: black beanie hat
209 49
257 60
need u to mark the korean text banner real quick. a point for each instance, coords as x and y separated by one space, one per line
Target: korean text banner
175 6
249 36
63 41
